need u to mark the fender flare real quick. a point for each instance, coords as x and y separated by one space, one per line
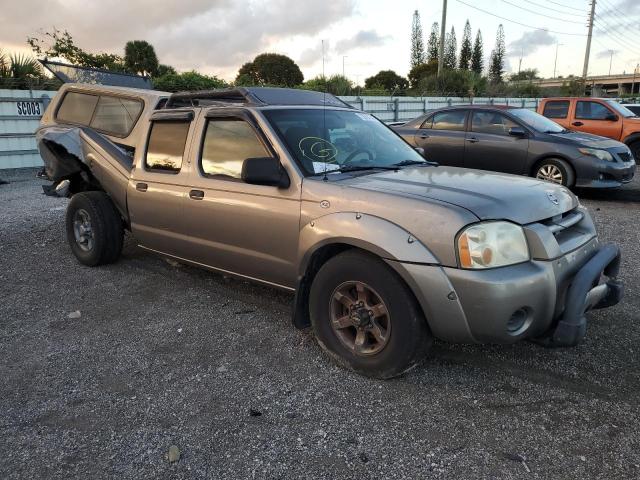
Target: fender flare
392 242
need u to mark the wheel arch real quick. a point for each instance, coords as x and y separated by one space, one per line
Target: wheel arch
319 242
552 156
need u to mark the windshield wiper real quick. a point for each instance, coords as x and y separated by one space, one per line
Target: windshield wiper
355 168
407 163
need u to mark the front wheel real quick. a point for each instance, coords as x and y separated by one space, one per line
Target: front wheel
555 170
94 228
364 316
635 150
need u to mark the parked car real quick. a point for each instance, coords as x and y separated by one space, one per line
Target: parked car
519 141
296 190
634 107
599 116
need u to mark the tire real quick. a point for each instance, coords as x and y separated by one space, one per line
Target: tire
635 150
102 242
559 169
406 337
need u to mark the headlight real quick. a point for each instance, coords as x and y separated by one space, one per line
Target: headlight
492 244
596 152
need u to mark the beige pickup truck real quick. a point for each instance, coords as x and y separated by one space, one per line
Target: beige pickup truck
294 189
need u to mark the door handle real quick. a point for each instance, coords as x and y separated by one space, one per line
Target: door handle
196 194
423 136
577 124
472 140
142 187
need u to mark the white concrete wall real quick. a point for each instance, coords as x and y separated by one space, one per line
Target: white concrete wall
20 112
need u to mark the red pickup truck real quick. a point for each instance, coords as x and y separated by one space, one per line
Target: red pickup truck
599 116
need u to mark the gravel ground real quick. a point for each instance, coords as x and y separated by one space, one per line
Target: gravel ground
166 355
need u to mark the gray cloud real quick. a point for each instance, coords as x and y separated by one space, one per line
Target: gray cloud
362 39
606 53
212 35
530 42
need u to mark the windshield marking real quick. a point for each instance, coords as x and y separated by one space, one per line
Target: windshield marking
318 149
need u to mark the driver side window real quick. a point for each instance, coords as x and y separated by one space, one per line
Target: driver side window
227 144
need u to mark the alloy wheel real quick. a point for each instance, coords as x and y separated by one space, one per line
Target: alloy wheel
360 318
550 173
82 229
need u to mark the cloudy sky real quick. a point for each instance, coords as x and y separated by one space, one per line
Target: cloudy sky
217 36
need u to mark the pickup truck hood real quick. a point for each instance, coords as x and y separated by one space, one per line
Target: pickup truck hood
585 140
487 195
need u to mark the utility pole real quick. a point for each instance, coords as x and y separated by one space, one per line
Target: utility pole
343 57
610 61
588 51
555 62
442 34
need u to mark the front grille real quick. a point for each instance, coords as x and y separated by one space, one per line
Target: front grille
564 221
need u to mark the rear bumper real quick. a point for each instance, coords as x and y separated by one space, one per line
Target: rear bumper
536 299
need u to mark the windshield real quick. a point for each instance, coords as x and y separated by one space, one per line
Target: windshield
324 140
536 121
624 111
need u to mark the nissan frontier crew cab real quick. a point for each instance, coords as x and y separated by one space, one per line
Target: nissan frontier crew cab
294 189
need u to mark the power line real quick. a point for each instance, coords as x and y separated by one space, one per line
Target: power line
565 6
607 30
520 23
611 12
547 7
541 14
614 9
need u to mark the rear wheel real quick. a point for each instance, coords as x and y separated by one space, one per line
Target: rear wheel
364 316
555 170
94 228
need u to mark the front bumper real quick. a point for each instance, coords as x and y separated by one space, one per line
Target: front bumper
603 174
547 298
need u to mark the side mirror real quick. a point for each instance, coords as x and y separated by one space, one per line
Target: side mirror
611 117
517 132
264 171
421 151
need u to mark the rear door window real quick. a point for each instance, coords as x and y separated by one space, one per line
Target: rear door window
165 149
453 120
491 122
116 115
592 111
556 109
77 108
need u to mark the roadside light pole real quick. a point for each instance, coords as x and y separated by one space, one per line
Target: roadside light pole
555 62
343 57
610 61
442 30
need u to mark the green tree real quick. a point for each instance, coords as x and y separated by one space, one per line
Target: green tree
450 50
417 73
177 82
433 44
335 84
388 80
477 55
270 69
466 49
496 65
140 57
417 41
450 82
164 69
60 44
526 74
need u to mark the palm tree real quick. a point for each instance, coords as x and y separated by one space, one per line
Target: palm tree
23 67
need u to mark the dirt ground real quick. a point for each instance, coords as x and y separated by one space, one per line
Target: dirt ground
164 355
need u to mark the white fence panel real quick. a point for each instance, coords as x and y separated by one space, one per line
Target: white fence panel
20 112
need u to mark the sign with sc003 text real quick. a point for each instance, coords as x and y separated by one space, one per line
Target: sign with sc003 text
29 109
